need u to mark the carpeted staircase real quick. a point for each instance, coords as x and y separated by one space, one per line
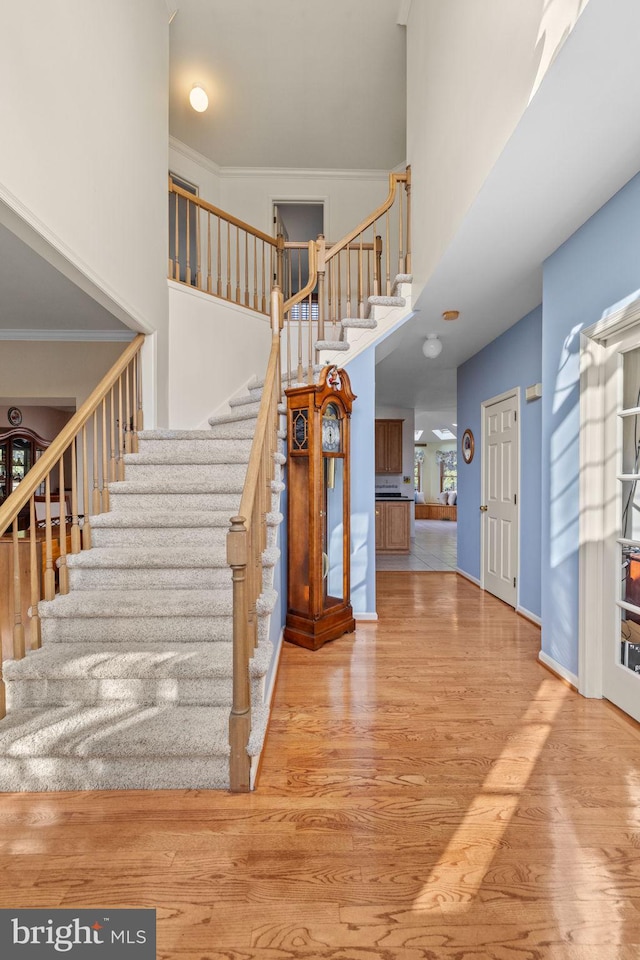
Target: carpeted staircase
132 686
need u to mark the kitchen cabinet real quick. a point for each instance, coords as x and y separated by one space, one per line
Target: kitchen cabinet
393 526
389 446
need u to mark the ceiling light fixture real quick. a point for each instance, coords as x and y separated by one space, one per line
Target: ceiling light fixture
450 314
198 98
432 347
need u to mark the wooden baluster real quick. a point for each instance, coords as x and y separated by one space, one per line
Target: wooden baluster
63 572
75 525
134 387
279 278
360 282
388 257
105 461
339 271
400 235
97 498
369 255
18 627
407 258
177 241
140 413
188 244
127 411
299 343
377 265
328 286
289 284
264 284
86 526
219 261
34 571
49 573
255 273
246 269
112 447
120 473
240 719
288 326
209 277
228 261
348 256
238 296
196 213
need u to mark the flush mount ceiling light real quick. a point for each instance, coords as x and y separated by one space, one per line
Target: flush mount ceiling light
198 98
432 347
450 314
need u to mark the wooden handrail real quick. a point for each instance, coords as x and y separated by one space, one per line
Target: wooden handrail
311 283
43 466
227 217
394 180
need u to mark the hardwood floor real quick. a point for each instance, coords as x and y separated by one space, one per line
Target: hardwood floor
428 792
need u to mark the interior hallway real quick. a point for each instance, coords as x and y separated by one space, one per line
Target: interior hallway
428 792
433 548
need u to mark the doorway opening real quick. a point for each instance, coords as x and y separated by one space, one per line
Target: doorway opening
298 222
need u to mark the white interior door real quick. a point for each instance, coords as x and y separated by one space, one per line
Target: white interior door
500 507
621 608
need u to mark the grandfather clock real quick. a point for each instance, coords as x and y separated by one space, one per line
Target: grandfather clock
318 605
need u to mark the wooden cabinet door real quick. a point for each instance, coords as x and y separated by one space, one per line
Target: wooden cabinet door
397 528
380 525
389 446
394 446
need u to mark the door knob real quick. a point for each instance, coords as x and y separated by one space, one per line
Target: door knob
484 509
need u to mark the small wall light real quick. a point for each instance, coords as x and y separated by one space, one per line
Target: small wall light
432 347
450 314
198 98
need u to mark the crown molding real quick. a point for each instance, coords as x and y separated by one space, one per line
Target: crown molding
185 151
287 173
78 336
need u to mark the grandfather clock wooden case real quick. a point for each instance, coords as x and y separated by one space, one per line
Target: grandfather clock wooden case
319 607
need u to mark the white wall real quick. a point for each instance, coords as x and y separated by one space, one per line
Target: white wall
215 348
472 67
349 195
84 155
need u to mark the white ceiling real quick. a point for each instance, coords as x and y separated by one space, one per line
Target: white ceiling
291 83
576 145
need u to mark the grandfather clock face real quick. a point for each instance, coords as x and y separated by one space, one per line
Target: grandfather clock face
331 429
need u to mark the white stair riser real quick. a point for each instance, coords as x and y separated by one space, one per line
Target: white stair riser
134 629
234 473
142 578
215 450
162 537
174 502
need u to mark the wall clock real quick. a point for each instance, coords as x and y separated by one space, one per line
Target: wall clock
14 416
468 446
318 592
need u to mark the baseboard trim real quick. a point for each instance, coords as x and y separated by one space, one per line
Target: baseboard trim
523 612
467 576
365 617
558 670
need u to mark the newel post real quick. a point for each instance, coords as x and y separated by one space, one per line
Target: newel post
240 719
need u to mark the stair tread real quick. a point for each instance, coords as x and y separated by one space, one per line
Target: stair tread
167 487
115 730
138 660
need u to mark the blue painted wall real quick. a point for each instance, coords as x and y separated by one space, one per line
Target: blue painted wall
362 374
512 360
596 268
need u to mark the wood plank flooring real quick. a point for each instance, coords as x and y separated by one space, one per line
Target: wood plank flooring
428 792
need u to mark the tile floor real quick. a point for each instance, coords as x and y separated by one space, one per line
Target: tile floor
434 548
